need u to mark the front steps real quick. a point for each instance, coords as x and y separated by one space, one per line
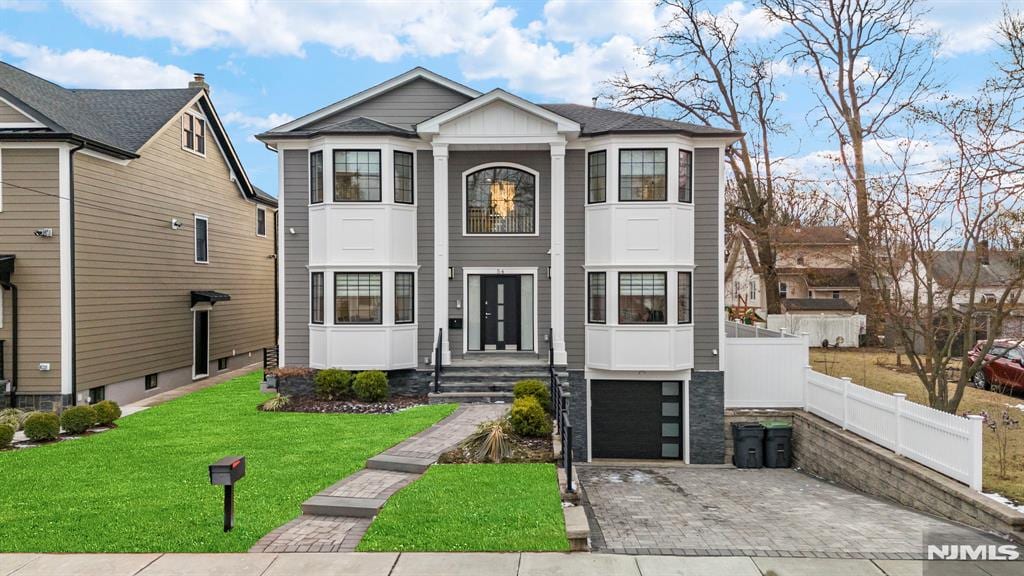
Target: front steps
474 382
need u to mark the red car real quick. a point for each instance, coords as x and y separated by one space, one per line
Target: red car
1003 366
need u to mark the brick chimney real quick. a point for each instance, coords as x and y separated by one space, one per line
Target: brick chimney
982 249
199 82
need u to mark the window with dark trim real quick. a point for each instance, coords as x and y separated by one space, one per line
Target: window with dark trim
686 176
642 298
316 177
316 298
597 297
403 178
152 381
643 175
357 298
597 176
222 363
261 221
202 238
405 307
97 394
357 175
783 290
193 133
501 200
685 298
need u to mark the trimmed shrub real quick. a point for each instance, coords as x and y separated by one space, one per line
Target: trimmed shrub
371 386
40 426
77 419
528 418
10 411
6 435
539 390
106 412
10 420
332 384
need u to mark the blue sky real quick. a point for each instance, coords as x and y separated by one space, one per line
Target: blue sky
268 62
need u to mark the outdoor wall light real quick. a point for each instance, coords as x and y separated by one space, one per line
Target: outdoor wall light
451 272
175 224
549 272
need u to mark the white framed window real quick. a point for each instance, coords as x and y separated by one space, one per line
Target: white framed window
783 290
193 133
202 239
1 180
501 200
261 221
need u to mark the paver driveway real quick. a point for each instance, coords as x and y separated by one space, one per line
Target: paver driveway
727 511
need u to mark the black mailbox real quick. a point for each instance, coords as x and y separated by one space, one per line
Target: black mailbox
227 470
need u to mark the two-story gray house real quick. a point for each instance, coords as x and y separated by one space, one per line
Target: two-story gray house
422 214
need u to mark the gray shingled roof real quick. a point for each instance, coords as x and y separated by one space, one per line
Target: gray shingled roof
1002 268
121 119
817 305
594 121
352 126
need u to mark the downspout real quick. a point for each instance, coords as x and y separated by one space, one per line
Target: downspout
277 295
71 232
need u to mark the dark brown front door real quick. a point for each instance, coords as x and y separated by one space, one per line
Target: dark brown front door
499 309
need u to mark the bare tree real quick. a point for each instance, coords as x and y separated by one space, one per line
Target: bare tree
934 233
720 83
871 63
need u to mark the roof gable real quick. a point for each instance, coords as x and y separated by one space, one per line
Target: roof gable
510 112
431 92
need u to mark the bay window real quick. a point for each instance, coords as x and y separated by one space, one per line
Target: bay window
316 177
403 178
685 298
596 297
643 175
685 176
597 177
316 298
357 298
642 298
404 298
357 175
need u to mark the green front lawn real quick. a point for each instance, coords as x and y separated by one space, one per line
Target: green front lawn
144 487
473 508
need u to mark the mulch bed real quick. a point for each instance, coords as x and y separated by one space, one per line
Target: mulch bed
525 450
390 406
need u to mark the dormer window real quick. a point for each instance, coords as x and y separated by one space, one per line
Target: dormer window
193 133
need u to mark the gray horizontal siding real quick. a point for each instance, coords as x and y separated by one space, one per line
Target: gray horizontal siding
575 247
404 106
425 253
706 236
296 257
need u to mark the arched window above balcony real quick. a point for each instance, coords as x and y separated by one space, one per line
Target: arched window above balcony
501 200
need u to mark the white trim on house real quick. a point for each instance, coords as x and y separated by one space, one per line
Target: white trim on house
495 271
264 211
208 309
281 239
686 421
64 238
195 238
414 74
433 125
441 232
558 253
32 122
196 116
536 198
1 190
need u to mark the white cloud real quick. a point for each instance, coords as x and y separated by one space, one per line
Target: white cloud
574 21
93 68
751 24
23 5
258 123
966 39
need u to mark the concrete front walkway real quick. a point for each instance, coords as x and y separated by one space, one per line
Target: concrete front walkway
336 519
472 564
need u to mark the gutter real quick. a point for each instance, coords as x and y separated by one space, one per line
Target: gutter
74 321
69 137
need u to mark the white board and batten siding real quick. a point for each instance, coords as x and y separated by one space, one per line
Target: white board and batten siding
772 371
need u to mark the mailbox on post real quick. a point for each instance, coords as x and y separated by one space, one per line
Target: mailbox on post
225 472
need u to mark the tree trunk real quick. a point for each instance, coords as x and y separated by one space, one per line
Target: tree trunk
868 305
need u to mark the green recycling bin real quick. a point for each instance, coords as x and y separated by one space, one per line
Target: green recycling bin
778 444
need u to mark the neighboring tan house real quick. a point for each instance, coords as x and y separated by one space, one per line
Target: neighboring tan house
421 208
814 264
135 255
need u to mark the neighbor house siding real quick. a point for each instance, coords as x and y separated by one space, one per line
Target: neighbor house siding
575 247
707 234
404 106
30 188
9 114
504 251
296 258
425 255
134 272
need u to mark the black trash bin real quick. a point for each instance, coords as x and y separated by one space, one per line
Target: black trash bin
748 445
778 444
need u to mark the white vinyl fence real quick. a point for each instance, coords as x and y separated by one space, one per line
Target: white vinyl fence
821 327
761 372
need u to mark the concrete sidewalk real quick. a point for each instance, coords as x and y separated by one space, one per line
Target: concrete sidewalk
471 564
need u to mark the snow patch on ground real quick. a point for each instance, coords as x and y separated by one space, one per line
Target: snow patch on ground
1005 501
1018 407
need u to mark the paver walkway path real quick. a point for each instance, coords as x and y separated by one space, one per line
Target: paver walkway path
336 519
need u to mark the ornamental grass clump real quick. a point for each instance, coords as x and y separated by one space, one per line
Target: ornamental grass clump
276 403
371 386
42 426
332 384
492 442
77 419
6 435
528 418
11 420
106 412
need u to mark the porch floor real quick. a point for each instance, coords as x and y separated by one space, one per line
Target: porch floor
491 359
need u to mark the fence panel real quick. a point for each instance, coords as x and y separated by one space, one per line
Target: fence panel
765 371
872 414
938 440
825 397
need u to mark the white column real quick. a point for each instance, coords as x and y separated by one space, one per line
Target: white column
558 251
64 240
441 248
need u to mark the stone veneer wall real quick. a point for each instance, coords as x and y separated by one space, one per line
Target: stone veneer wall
400 383
705 420
578 414
827 451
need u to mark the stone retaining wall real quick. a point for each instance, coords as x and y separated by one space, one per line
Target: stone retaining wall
825 450
400 383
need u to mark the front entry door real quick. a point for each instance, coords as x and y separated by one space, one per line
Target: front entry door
499 308
200 343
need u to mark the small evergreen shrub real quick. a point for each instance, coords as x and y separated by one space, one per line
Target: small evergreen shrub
371 386
332 384
10 412
535 388
77 419
41 426
24 416
528 418
106 412
6 435
10 420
